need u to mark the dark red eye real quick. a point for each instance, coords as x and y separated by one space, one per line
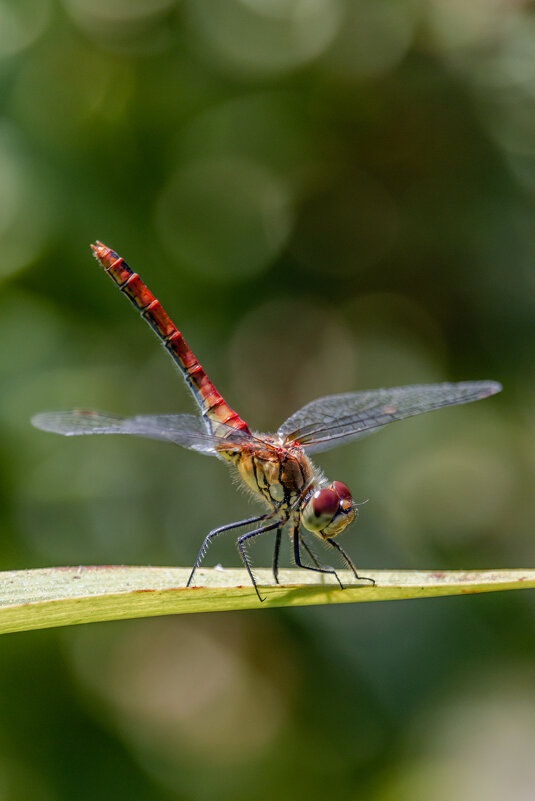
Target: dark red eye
342 491
325 503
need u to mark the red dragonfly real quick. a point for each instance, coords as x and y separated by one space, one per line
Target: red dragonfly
275 467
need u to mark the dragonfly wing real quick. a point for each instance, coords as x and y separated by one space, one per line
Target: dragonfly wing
337 419
182 429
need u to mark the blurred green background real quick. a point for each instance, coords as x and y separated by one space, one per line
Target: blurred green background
326 196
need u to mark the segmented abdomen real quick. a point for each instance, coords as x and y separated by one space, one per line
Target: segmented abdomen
212 404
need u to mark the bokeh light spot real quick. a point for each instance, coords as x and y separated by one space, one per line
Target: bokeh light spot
184 688
21 199
21 23
224 219
373 39
266 36
454 491
118 10
476 745
287 352
455 24
123 24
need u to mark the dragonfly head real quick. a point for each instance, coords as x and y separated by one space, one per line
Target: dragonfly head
329 510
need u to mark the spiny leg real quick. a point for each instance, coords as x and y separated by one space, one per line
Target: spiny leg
214 533
305 545
313 556
348 562
309 551
241 547
276 554
297 556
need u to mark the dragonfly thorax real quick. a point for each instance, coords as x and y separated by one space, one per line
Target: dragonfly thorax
280 475
327 511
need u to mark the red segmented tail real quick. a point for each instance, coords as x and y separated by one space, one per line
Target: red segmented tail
212 404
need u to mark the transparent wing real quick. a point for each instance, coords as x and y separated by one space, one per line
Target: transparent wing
182 429
337 419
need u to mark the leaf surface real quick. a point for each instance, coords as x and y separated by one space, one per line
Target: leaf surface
63 596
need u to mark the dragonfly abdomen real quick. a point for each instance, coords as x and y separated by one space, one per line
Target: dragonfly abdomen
210 401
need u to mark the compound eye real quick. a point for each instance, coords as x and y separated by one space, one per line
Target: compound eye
342 491
325 503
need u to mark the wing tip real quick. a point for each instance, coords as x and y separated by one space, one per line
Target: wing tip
490 388
44 422
56 422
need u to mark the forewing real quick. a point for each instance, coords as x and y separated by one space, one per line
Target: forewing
337 419
182 429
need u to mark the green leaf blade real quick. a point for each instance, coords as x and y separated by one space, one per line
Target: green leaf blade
62 596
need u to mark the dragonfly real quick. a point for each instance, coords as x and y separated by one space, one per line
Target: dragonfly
275 468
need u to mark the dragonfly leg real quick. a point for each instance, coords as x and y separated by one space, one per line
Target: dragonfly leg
241 548
317 568
214 533
276 555
349 563
309 551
